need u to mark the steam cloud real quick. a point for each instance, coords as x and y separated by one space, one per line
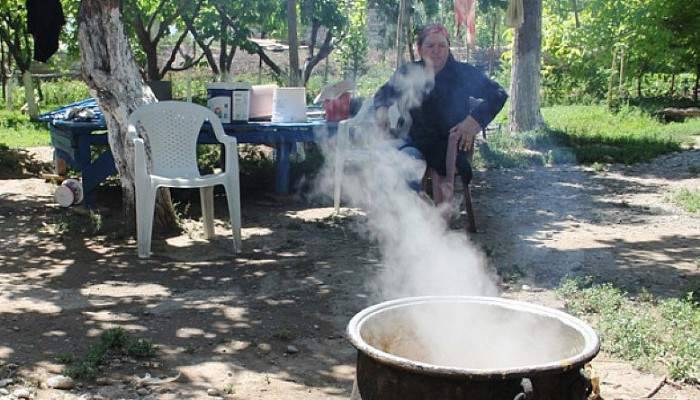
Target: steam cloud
420 254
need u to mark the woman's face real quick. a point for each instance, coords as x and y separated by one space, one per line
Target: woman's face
434 51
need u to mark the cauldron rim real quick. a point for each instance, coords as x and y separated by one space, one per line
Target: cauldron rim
590 350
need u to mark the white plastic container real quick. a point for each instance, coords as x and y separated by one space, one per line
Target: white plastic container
230 101
289 104
70 192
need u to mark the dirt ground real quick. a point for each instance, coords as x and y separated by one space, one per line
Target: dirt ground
269 322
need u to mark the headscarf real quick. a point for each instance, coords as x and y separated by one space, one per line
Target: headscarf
430 29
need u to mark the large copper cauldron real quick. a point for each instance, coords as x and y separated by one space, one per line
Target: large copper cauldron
491 349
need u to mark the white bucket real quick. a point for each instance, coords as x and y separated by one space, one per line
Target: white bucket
289 104
230 101
70 192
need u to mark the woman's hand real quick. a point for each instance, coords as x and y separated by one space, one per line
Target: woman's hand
467 131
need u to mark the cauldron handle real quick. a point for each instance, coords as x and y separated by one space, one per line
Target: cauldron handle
526 394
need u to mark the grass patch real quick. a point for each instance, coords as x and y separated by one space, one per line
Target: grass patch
113 342
63 224
687 199
16 130
652 333
627 136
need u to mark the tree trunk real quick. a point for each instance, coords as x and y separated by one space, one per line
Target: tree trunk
109 69
697 83
574 5
639 83
611 79
622 71
10 99
399 33
293 43
32 107
3 73
672 91
524 114
492 56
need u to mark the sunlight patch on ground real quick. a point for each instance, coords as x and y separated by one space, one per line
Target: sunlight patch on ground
126 290
108 316
19 305
5 352
314 214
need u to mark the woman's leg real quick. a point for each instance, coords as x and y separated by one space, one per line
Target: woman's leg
407 148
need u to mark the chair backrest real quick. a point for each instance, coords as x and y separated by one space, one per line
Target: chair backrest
170 130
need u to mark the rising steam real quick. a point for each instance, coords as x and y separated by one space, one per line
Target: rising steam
420 254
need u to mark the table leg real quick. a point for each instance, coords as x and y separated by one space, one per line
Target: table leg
59 165
282 178
93 172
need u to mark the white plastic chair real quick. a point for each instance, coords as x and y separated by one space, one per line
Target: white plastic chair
167 131
350 150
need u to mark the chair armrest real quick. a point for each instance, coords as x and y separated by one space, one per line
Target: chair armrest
140 159
231 153
219 132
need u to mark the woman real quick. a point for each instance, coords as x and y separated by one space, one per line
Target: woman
448 102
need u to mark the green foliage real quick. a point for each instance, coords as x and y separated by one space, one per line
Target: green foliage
60 92
655 36
14 33
644 330
373 79
112 342
353 48
687 199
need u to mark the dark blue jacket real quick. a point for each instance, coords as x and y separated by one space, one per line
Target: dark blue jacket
438 106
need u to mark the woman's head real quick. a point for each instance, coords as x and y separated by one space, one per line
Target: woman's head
434 46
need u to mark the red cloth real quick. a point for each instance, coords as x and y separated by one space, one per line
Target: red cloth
465 14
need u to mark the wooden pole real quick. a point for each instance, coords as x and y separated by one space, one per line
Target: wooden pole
399 34
622 70
613 69
293 43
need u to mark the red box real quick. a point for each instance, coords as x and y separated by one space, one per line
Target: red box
337 109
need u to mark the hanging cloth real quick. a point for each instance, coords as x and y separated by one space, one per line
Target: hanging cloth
44 21
515 15
465 14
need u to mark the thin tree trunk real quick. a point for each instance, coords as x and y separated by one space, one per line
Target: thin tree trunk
109 69
10 99
492 56
399 34
575 7
32 107
697 83
408 34
611 81
639 83
3 72
524 114
672 91
293 43
622 71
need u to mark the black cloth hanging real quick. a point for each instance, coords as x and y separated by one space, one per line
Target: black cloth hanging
44 21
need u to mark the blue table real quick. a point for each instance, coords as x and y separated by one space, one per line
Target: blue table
73 141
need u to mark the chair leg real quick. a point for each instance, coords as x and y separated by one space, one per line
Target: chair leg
206 197
338 183
471 221
145 207
233 199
